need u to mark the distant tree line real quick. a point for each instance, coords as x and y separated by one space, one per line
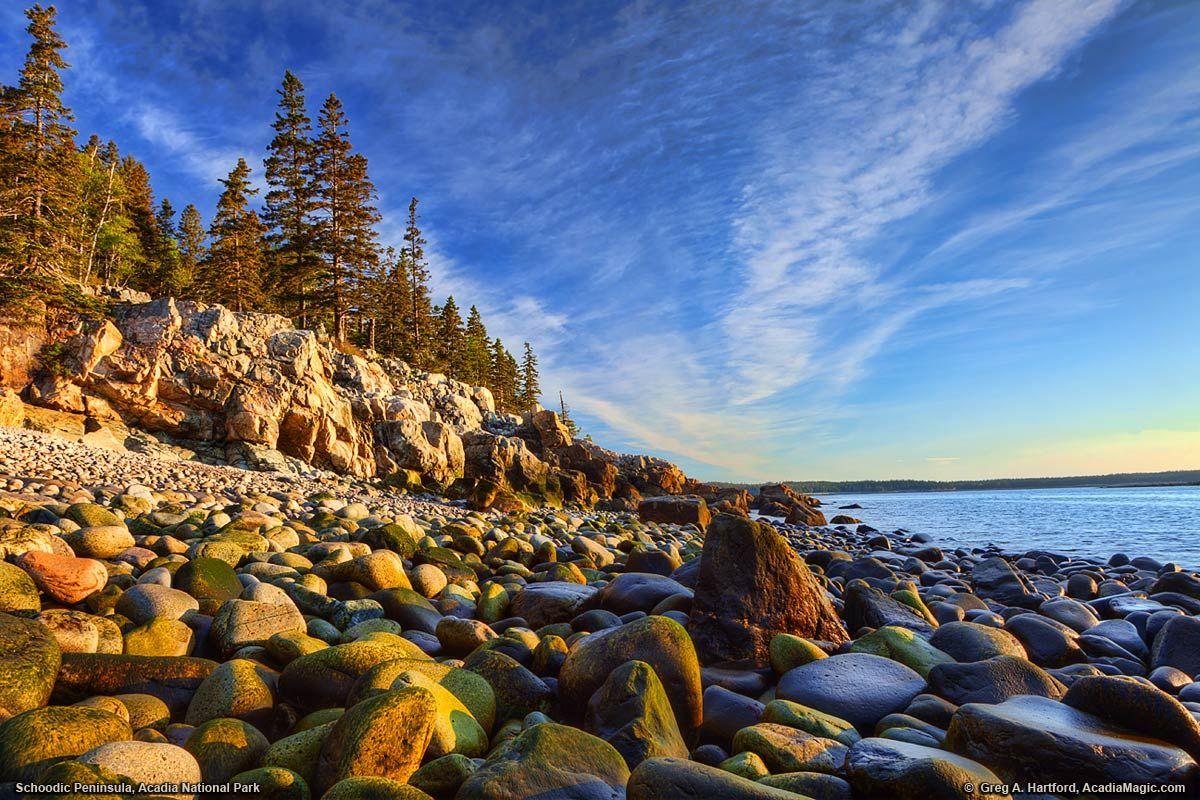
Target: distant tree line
1116 480
74 216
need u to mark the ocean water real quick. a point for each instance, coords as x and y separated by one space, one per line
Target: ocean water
1162 522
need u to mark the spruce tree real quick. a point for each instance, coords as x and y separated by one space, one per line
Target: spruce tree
289 206
505 378
476 356
346 230
448 347
39 166
191 238
388 298
172 278
530 389
419 322
138 203
232 272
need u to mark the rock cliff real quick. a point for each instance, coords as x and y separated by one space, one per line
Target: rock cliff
196 373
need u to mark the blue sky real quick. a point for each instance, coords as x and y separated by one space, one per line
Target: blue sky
767 240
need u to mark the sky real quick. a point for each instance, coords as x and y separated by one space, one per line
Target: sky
775 240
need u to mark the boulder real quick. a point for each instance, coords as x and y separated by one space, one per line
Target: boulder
859 688
33 740
1177 644
172 680
969 641
549 602
995 579
631 712
1036 737
64 578
895 769
29 662
1139 707
681 510
680 779
383 736
992 680
147 762
751 587
550 761
867 607
658 641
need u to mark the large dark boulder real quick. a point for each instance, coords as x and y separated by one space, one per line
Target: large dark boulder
867 607
752 586
1139 706
904 771
995 579
171 679
1036 738
1177 644
681 510
857 687
992 681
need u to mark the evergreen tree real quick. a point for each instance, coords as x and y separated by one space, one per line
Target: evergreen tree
530 390
419 320
143 272
388 300
346 231
39 166
290 205
232 272
505 377
101 207
172 279
476 362
191 237
448 347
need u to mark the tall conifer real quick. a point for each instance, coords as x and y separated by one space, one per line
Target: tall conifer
232 273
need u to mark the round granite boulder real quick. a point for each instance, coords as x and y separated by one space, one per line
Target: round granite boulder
857 687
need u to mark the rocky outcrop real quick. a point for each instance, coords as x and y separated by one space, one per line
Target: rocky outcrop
780 500
262 392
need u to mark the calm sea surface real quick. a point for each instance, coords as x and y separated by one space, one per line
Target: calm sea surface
1162 522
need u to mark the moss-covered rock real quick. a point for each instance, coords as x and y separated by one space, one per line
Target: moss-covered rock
518 691
271 783
240 689
471 689
299 752
33 740
225 747
160 637
549 760
384 736
789 651
903 645
323 679
631 712
18 593
373 788
209 580
810 720
443 776
455 729
661 642
29 662
785 749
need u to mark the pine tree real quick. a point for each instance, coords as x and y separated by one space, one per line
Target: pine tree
346 232
172 279
40 178
530 389
191 237
232 272
388 300
290 205
476 356
138 202
448 345
504 378
419 320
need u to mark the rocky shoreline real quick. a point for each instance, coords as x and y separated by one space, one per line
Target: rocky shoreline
173 622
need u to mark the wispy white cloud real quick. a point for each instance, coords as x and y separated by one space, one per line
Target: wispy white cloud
205 157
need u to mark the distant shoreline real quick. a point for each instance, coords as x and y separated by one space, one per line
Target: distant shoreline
1127 480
